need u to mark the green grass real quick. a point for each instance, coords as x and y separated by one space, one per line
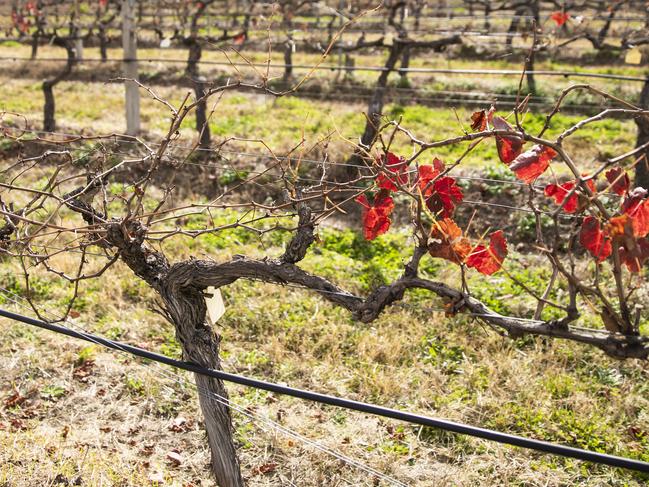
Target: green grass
411 358
123 420
282 123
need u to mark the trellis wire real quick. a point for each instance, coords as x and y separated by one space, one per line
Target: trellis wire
437 12
299 159
331 67
483 433
161 372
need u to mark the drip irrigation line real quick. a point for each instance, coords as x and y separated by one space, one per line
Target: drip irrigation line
252 416
491 435
332 67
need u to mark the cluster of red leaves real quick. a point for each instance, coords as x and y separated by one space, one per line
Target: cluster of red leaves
560 17
32 8
528 165
627 231
441 195
569 195
488 260
376 215
20 22
239 39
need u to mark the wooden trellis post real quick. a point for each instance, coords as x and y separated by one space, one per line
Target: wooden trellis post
129 45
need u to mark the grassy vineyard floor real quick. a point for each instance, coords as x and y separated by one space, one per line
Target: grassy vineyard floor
75 412
281 123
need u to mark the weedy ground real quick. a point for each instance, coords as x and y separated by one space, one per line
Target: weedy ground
282 123
72 413
91 98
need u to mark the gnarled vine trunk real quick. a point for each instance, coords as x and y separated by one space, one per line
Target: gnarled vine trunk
49 108
184 305
200 345
198 83
375 107
103 42
289 45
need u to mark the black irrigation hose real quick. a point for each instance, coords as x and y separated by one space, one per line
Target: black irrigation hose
499 437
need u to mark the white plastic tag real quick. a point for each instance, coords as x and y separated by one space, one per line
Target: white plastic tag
633 56
215 306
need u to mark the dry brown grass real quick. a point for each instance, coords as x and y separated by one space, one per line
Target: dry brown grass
118 425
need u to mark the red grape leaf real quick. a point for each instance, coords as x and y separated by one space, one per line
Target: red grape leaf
559 192
509 146
619 226
559 17
532 163
594 239
636 205
446 241
619 180
427 174
376 217
489 260
480 119
635 256
445 195
396 165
